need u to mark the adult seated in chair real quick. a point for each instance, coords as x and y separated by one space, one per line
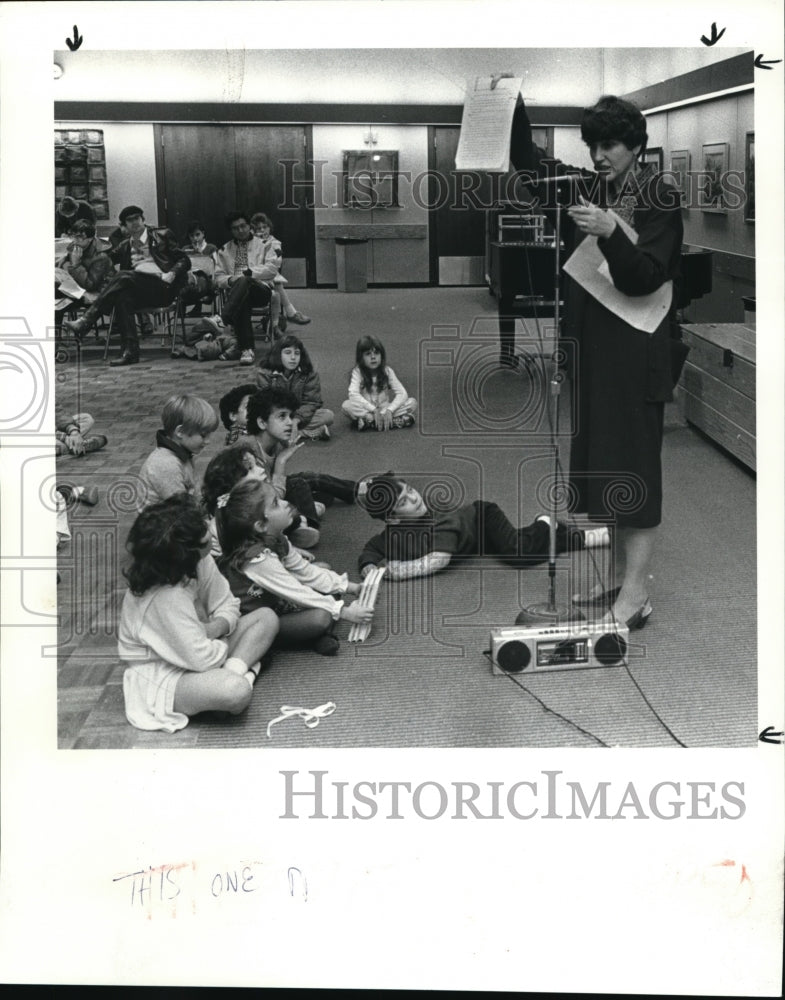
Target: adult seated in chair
246 271
282 309
83 272
200 286
70 211
115 238
153 270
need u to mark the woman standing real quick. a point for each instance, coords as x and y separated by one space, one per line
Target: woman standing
624 375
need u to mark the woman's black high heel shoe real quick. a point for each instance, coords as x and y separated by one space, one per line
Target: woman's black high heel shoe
641 616
635 621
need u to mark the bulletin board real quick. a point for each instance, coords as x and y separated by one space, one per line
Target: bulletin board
80 168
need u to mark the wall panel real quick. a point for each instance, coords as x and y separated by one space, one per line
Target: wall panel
389 260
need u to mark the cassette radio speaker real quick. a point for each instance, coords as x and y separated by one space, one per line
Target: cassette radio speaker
533 649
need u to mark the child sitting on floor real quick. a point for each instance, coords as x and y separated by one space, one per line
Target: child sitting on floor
233 407
228 467
188 422
263 569
72 435
272 427
419 541
185 647
288 366
205 342
377 400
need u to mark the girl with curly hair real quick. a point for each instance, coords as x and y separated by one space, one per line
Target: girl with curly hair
185 648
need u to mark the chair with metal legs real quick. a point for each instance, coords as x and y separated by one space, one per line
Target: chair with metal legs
167 315
260 314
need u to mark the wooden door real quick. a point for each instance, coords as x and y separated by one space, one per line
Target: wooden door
271 173
206 171
196 177
457 218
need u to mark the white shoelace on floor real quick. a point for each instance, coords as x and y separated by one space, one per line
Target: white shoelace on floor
310 716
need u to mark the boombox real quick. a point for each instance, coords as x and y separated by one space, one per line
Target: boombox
529 649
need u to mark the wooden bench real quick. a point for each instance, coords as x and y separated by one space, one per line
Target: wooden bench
718 385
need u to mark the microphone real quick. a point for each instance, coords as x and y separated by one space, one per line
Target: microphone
549 191
552 180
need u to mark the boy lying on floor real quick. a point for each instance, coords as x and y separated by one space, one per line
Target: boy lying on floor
417 541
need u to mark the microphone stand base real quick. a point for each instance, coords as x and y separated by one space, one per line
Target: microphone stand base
541 615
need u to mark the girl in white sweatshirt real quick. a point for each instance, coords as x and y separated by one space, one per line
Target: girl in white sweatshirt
377 399
185 648
265 570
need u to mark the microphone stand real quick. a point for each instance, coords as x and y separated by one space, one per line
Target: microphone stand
551 613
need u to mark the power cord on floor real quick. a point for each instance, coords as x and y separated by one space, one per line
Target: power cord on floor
551 711
487 654
654 712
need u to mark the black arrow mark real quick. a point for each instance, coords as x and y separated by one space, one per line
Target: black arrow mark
74 45
769 736
714 36
764 65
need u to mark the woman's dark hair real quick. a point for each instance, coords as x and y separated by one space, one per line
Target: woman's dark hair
611 119
165 544
236 519
274 357
367 376
225 470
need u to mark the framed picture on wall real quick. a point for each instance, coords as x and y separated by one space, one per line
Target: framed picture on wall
749 178
680 169
370 178
711 192
654 155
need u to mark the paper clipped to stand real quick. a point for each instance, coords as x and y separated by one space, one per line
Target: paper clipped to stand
588 266
486 125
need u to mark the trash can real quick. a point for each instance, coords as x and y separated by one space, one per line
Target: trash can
351 264
749 309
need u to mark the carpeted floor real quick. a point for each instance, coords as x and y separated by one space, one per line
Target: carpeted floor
423 677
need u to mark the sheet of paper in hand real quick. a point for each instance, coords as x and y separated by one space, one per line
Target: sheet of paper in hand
587 266
486 125
203 263
66 285
148 267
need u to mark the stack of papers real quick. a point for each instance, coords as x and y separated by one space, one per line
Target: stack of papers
588 266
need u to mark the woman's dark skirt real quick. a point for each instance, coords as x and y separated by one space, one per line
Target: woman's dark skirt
615 453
